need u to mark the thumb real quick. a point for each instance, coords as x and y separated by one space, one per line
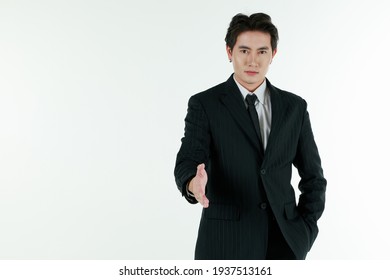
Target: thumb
200 169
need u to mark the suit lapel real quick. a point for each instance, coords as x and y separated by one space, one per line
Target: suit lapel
278 114
234 102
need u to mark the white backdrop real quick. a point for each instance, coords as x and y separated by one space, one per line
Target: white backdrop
93 96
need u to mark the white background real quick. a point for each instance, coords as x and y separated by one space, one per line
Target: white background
93 96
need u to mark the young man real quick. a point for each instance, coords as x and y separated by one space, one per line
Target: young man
241 139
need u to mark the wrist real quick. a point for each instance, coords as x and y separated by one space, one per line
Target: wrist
189 188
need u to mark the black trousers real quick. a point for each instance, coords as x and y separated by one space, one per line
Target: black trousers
277 249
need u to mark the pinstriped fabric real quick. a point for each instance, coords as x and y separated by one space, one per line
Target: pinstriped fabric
243 182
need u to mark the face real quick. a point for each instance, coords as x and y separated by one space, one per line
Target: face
251 56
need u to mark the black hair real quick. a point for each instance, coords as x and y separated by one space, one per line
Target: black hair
256 22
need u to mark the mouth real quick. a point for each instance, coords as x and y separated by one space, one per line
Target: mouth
251 73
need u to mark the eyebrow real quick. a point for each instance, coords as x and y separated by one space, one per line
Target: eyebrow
248 48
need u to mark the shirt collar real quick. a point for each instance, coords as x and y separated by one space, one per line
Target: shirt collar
260 91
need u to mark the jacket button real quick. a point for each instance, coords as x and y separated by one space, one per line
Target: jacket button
262 171
263 205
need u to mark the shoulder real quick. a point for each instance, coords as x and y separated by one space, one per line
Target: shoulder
211 93
286 96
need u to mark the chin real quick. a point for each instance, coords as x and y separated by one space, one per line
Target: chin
254 81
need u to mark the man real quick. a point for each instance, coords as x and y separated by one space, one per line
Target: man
241 139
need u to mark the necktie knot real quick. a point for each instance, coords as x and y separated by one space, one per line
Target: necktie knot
251 99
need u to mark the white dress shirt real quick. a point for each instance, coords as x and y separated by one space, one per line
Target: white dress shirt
263 108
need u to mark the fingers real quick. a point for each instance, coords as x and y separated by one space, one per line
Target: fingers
203 200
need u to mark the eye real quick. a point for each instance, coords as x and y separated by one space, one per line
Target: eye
262 52
244 51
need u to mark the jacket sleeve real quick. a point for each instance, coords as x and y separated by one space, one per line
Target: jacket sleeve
194 148
312 184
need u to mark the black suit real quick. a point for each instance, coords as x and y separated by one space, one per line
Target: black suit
246 186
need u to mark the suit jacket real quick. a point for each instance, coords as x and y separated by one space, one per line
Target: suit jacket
245 183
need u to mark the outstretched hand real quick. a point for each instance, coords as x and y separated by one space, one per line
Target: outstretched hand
198 185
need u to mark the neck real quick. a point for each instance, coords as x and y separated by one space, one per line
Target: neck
249 87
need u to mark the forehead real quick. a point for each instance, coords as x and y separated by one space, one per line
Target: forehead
254 39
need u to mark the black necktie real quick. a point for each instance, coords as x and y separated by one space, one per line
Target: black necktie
251 99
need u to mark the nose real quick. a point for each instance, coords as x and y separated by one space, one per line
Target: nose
252 60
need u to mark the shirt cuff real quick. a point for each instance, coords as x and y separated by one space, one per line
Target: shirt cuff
190 194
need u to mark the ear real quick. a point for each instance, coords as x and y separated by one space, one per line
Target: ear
273 54
229 52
